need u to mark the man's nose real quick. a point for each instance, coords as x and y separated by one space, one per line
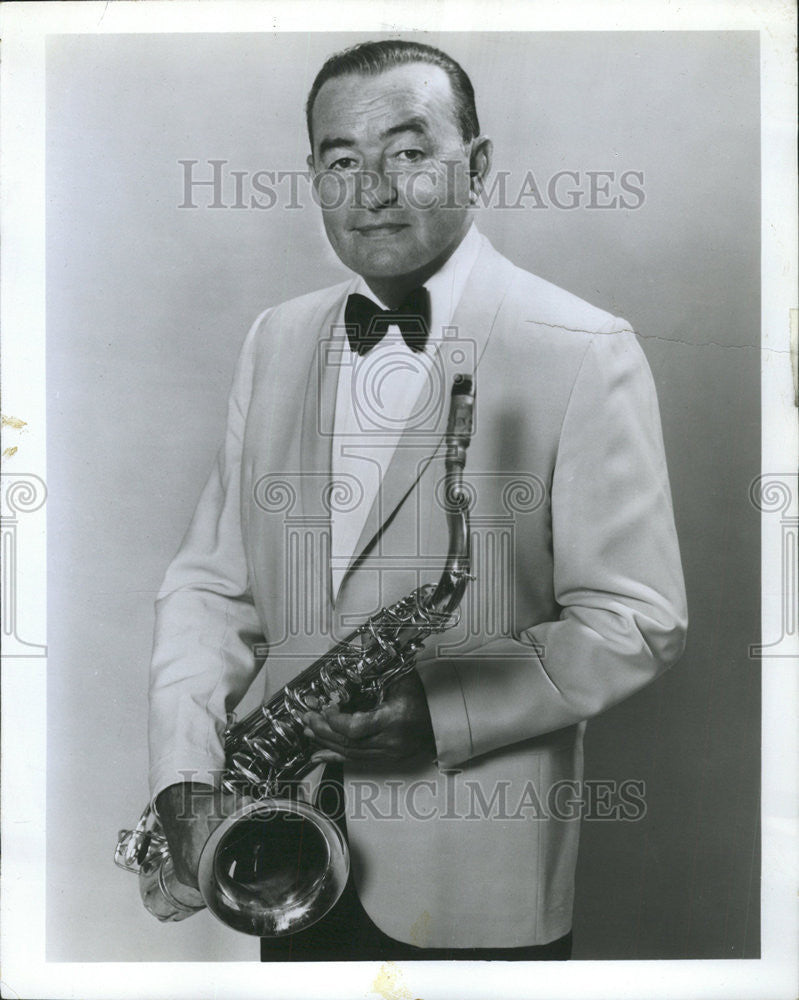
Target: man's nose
376 188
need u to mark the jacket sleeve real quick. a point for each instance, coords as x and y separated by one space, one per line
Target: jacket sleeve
205 620
617 576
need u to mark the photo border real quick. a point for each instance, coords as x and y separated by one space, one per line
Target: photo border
22 315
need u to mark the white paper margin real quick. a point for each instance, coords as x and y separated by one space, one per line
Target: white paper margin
25 972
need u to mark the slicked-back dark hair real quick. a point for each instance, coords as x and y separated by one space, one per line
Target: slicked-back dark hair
372 58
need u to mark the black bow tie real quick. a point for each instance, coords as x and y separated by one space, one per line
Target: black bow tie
367 323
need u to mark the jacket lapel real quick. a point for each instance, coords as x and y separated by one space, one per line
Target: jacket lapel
459 351
316 434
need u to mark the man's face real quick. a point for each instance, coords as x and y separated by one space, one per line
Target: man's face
391 169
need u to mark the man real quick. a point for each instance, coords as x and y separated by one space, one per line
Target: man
462 844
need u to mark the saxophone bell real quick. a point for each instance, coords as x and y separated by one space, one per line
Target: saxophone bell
273 867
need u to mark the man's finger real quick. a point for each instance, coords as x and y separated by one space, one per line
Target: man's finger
328 757
318 731
344 728
355 725
328 740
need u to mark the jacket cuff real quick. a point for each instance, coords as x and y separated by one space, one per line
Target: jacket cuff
448 712
174 770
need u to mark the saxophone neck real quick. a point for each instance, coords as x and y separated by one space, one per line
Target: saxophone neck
452 584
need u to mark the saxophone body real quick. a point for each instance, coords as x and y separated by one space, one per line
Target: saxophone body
277 864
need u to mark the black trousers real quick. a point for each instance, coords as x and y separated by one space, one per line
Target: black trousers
347 933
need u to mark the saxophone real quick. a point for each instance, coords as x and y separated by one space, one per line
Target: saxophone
277 865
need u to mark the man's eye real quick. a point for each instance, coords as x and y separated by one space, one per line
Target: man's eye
343 163
409 155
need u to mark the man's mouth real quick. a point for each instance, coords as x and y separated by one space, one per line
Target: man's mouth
377 230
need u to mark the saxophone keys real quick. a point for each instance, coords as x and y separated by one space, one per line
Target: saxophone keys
143 848
286 733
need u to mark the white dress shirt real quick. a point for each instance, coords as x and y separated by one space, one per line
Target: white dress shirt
380 393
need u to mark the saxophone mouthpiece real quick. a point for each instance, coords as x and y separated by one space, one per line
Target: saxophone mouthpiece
461 419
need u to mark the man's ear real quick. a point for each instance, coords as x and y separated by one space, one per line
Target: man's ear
309 161
480 162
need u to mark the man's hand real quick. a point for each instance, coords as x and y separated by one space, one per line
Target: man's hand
398 729
189 813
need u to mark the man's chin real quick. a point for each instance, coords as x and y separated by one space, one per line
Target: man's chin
386 265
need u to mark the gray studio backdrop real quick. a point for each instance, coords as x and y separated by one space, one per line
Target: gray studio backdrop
147 305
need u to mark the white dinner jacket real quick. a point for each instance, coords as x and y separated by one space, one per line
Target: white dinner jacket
578 599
